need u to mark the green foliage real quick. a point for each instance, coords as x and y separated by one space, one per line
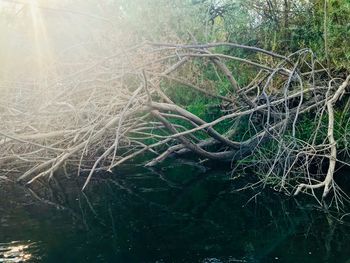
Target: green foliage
280 26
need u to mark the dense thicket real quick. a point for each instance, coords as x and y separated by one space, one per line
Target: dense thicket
90 85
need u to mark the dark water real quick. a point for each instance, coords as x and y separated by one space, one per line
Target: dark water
181 213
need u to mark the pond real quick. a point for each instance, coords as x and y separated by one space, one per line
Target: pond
178 213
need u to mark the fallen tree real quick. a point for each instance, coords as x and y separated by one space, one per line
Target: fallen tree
114 110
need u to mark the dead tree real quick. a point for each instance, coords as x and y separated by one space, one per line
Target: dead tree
120 108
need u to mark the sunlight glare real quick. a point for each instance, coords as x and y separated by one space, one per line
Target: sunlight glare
42 47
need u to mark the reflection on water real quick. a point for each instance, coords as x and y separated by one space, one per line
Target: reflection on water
181 213
16 251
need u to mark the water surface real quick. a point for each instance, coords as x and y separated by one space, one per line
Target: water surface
179 213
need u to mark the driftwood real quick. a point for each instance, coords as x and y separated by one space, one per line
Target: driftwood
112 111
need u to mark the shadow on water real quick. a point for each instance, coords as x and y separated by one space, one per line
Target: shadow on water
178 213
